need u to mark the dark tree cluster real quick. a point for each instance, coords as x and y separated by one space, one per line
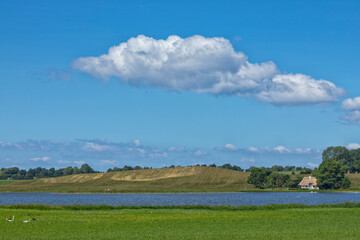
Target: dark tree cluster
331 175
349 159
226 166
15 173
266 178
278 168
336 162
127 168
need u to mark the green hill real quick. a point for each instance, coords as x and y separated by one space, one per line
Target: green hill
179 179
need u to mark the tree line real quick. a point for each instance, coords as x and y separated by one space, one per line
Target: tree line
267 178
15 173
349 159
21 174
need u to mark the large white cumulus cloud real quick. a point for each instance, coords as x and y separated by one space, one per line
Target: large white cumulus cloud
204 65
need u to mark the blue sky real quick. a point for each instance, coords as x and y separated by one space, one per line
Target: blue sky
250 83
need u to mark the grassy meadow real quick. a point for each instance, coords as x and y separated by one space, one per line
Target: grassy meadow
179 179
3 182
178 223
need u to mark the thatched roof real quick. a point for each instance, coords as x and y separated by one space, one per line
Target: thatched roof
307 180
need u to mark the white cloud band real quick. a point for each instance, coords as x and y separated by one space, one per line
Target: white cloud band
204 65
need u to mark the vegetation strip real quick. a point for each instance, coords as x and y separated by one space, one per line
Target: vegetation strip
185 207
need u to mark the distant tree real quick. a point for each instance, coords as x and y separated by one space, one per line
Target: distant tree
68 171
52 172
137 168
289 168
276 180
212 165
354 160
306 171
127 168
277 168
294 182
258 177
226 166
331 175
77 170
339 153
355 168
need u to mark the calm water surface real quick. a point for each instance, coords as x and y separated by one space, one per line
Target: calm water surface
159 199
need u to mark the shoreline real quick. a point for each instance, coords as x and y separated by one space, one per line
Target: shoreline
77 207
184 192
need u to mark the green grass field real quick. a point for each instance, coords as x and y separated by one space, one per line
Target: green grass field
282 223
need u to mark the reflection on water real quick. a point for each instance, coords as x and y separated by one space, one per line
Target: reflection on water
161 199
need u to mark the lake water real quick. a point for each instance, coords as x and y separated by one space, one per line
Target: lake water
159 199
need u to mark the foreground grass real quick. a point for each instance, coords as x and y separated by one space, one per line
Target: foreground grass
329 222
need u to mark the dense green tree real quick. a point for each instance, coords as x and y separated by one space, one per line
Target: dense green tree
85 168
355 168
339 153
294 182
331 175
232 167
258 177
277 168
127 168
276 180
306 171
289 168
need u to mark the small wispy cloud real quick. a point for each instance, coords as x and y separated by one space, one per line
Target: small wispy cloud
303 150
253 149
44 159
63 161
136 142
91 146
353 146
230 146
352 107
79 162
57 74
281 149
176 149
200 153
108 162
313 165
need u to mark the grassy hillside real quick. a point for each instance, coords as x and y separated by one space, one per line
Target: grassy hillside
179 179
355 180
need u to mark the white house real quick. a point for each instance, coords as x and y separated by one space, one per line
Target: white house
309 183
